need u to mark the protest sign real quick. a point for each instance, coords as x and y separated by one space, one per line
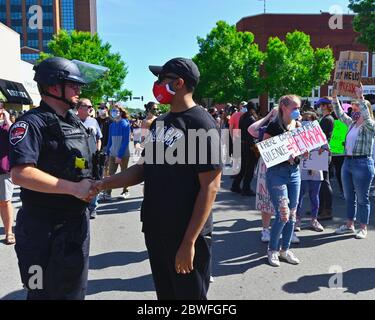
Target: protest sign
263 201
280 148
316 161
337 143
348 73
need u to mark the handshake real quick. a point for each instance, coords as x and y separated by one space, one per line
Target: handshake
87 189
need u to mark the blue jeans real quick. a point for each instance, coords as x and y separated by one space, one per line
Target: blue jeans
357 175
284 184
314 189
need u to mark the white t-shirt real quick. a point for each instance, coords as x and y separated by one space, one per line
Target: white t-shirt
351 139
91 123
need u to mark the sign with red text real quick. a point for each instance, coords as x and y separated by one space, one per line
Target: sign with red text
292 143
348 73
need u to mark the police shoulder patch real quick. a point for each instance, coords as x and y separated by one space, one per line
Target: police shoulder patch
18 132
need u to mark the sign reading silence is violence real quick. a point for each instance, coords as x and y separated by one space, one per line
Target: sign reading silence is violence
280 148
348 74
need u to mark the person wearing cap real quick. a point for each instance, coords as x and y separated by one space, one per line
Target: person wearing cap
178 195
327 123
51 159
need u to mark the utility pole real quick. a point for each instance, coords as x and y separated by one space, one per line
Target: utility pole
265 5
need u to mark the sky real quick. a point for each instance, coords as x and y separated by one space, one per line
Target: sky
151 32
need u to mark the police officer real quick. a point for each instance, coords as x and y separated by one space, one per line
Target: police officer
51 159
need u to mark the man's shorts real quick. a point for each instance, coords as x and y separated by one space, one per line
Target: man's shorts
6 187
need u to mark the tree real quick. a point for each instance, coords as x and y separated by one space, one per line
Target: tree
364 21
293 66
229 63
90 48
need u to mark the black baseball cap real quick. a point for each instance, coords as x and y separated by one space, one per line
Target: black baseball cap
184 68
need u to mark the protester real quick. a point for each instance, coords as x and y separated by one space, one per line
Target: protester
118 145
235 133
215 114
249 157
104 121
84 109
137 136
311 182
358 168
326 193
176 211
151 116
6 184
257 131
284 183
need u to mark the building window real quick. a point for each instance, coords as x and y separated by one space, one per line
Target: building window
67 15
365 65
29 56
33 43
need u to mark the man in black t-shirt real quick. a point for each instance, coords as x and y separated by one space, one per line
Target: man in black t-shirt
249 158
178 196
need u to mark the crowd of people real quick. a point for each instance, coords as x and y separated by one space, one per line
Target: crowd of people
288 183
53 152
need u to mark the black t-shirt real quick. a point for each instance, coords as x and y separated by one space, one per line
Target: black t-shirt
274 128
31 142
171 190
104 125
327 124
245 122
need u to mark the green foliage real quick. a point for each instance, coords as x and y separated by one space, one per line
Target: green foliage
364 21
229 63
90 48
294 66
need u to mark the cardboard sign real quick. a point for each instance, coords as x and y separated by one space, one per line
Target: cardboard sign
263 201
292 143
337 143
348 73
316 161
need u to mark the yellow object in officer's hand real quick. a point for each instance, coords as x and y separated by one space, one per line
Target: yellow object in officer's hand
81 163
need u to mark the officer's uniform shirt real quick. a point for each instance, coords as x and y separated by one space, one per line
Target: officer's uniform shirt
31 142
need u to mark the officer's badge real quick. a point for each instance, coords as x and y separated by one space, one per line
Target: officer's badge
18 132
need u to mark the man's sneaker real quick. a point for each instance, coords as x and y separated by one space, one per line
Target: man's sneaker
212 279
273 258
295 239
345 230
316 226
297 227
361 234
266 235
104 197
93 214
289 257
125 195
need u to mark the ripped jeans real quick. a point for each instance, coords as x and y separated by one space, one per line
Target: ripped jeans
283 184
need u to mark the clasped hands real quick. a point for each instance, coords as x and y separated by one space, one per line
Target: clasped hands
88 189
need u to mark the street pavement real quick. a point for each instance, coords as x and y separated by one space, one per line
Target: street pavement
119 267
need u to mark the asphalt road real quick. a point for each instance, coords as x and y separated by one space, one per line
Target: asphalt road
119 267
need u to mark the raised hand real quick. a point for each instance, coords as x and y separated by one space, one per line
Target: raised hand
359 92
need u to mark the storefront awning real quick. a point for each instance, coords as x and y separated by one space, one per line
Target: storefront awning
15 92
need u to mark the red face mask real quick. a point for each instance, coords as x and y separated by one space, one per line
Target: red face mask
163 93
